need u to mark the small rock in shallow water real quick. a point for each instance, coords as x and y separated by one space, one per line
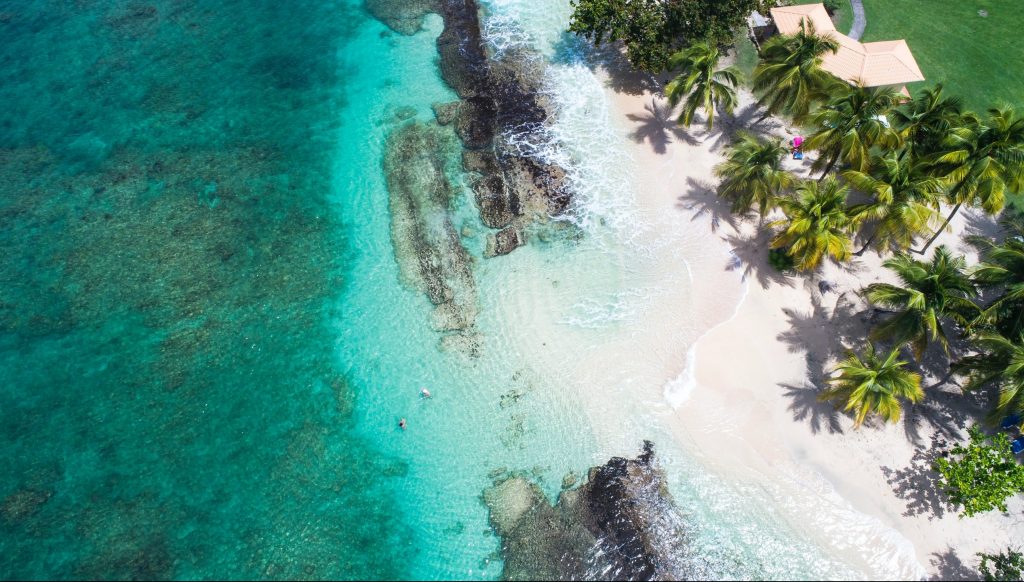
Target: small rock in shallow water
569 480
504 242
403 113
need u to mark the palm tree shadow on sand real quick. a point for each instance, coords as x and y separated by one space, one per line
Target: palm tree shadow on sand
750 256
917 483
806 407
949 566
701 200
658 126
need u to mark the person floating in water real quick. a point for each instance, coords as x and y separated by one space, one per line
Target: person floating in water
425 393
401 424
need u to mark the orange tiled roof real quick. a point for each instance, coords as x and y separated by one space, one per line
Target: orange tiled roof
888 62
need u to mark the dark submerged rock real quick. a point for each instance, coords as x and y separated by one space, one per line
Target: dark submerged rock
419 162
402 16
620 524
446 113
504 242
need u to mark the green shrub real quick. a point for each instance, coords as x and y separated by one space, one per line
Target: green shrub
1008 566
982 475
833 5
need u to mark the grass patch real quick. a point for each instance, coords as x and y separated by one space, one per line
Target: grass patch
746 55
978 58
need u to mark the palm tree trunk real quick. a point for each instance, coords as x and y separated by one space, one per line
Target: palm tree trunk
831 164
871 239
941 229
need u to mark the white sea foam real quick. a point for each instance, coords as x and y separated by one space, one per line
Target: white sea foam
738 529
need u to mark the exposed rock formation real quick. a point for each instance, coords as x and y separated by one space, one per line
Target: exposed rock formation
620 524
499 98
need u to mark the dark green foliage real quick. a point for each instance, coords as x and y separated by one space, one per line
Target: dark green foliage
1002 270
699 85
928 293
652 30
982 475
780 260
999 361
789 79
833 5
752 174
853 122
1002 566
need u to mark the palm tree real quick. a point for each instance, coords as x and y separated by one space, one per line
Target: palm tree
999 361
905 200
872 384
924 123
929 292
817 224
752 173
1002 266
851 124
789 79
699 82
983 160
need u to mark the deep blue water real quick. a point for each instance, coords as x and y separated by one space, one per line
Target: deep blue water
173 400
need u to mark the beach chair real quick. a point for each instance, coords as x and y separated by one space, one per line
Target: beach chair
1017 445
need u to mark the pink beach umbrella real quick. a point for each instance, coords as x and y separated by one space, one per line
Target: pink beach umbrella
798 141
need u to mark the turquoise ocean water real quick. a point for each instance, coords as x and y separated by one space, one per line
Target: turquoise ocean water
204 343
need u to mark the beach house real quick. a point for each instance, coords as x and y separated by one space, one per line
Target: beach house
871 64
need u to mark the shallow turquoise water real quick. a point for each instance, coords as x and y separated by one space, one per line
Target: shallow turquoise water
204 339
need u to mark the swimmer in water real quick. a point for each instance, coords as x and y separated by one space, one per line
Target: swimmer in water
401 424
425 393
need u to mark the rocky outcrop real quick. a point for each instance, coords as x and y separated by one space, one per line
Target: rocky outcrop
620 524
402 16
419 162
499 98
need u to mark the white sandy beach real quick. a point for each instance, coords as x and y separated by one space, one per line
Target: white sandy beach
749 408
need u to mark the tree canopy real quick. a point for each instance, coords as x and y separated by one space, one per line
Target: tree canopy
982 474
1002 566
652 30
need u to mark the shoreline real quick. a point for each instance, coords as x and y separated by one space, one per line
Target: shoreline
777 433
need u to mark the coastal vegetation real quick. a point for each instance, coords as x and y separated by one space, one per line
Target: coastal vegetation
930 292
891 173
982 474
700 85
652 30
789 78
1007 565
817 223
752 174
872 384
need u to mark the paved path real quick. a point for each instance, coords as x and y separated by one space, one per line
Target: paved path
859 20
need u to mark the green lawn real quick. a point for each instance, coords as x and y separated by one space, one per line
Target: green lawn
746 54
978 58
